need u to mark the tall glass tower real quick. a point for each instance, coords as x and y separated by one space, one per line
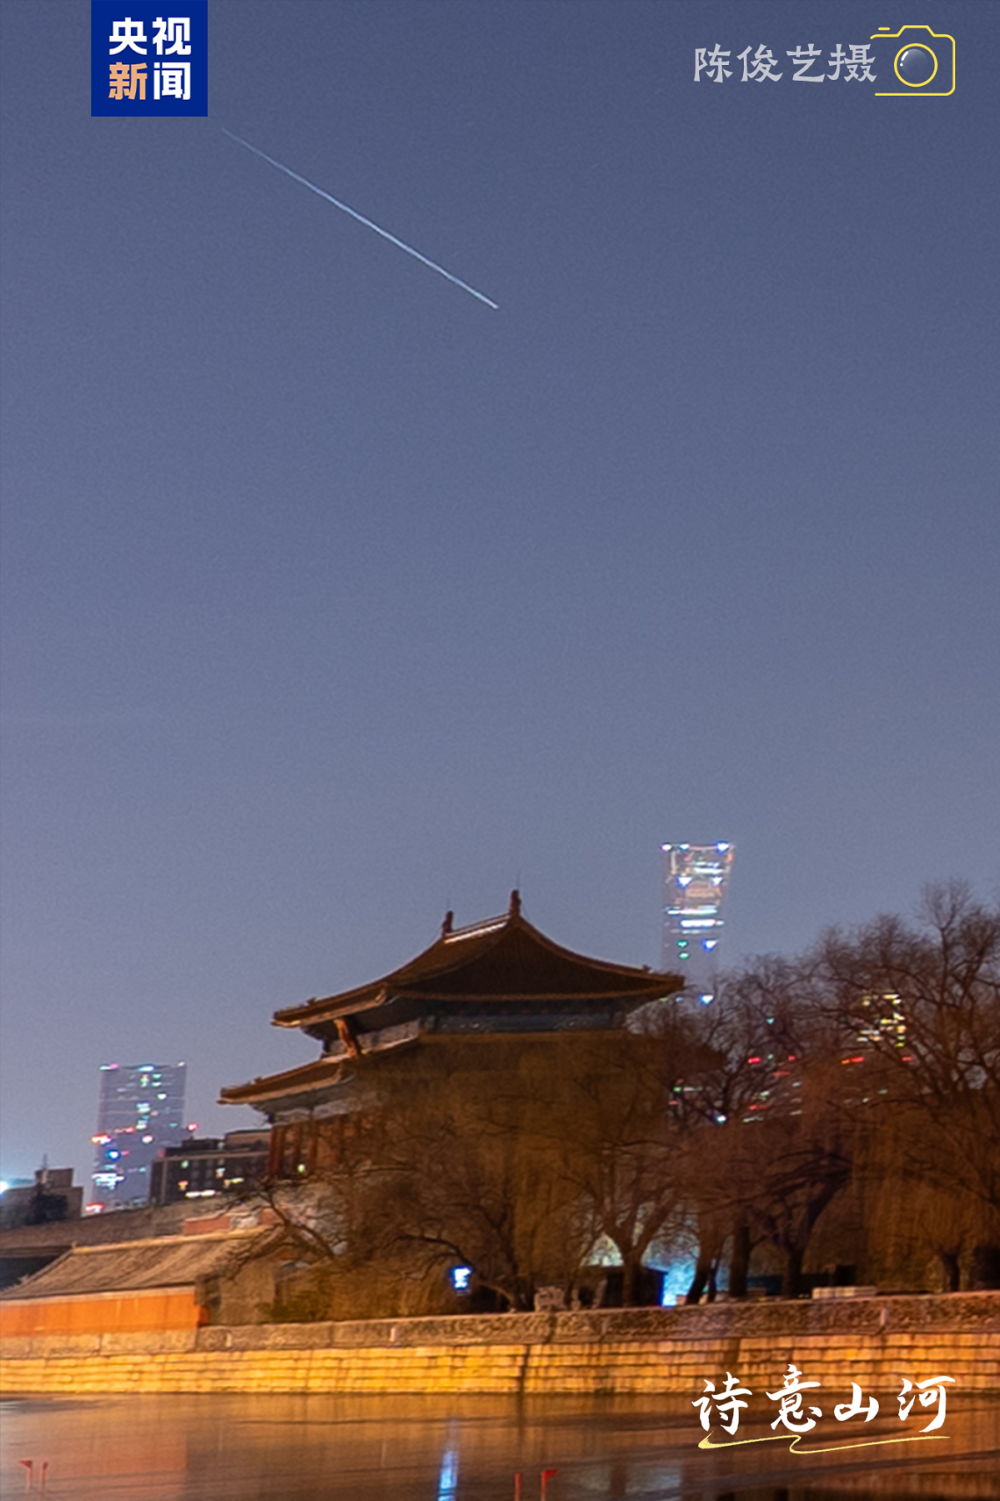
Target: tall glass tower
695 880
141 1110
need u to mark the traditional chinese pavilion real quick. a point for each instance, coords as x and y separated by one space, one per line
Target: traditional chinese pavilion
498 977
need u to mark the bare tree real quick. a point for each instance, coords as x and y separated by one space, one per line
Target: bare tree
468 1175
618 1136
775 1145
924 1006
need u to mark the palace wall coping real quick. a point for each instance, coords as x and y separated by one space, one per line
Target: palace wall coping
957 1314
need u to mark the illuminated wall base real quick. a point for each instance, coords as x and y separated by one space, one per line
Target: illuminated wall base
627 1351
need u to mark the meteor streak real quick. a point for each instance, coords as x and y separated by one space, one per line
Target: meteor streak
360 218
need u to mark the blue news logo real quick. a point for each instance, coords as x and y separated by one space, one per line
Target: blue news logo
146 62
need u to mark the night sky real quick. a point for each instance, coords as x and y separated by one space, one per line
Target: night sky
333 598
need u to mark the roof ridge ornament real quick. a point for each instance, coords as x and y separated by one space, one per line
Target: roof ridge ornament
514 910
448 924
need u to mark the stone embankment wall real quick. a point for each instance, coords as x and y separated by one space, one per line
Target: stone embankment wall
874 1341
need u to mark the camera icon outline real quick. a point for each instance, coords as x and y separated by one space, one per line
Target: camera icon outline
944 66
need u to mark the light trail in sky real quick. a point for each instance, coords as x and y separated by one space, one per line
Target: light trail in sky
360 218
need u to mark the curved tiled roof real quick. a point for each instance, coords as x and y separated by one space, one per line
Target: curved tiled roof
502 960
500 975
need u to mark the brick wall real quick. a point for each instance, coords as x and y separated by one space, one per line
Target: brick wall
875 1341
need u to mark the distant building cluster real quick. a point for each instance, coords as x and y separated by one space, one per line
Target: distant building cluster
144 1154
695 883
200 1168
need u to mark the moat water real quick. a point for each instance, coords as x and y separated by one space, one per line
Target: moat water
327 1448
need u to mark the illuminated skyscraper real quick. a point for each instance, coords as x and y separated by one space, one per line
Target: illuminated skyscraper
695 879
141 1110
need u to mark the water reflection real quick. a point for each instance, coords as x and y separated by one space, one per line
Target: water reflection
448 1479
321 1448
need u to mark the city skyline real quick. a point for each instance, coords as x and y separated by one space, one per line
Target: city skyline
333 599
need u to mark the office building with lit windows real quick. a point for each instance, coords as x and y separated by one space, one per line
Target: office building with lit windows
203 1167
695 882
141 1111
